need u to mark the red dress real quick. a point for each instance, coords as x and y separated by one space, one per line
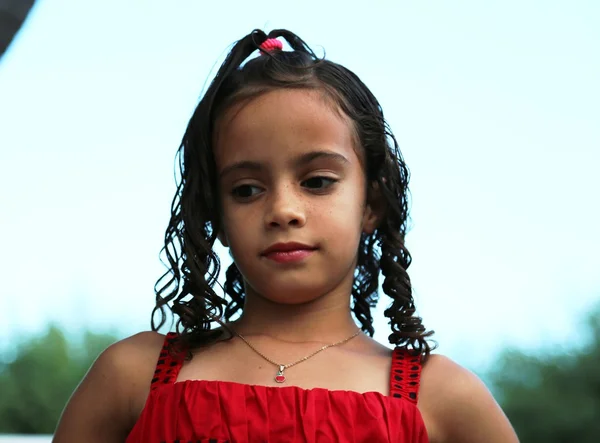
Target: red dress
202 411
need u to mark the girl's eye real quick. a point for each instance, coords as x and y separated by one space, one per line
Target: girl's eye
318 183
245 191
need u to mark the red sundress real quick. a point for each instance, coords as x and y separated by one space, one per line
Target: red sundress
202 411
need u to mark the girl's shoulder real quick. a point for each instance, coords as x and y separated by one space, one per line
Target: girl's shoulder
110 398
130 362
457 406
133 356
133 361
140 344
143 345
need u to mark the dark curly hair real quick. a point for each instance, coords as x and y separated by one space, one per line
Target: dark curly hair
193 266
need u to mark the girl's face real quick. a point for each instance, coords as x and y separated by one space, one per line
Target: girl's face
293 195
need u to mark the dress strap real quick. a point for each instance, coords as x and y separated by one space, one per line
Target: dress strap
406 375
167 366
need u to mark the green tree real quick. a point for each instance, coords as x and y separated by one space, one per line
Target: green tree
40 377
553 398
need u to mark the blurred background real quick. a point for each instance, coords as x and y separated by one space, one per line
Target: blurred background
497 111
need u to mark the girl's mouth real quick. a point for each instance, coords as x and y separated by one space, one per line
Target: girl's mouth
289 256
288 252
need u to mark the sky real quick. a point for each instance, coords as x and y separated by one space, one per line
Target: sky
496 107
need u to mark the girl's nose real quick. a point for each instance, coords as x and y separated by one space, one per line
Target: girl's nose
285 210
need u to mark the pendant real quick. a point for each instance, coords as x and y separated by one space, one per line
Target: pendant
280 378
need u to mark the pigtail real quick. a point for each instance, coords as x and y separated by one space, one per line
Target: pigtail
234 287
364 290
407 328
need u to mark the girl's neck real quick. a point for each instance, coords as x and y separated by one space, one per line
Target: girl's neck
324 320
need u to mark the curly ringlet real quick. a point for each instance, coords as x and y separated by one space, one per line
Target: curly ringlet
193 266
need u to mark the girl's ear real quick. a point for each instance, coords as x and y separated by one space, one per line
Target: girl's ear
374 209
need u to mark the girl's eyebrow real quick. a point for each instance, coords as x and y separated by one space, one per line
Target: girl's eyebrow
301 160
326 155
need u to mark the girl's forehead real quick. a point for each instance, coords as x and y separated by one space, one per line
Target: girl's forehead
280 122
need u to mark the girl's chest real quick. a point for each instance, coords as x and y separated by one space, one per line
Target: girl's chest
335 371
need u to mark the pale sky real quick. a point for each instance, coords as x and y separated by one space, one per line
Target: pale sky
496 108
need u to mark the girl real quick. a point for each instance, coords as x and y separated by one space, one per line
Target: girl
288 161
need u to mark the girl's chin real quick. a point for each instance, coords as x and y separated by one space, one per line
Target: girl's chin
290 295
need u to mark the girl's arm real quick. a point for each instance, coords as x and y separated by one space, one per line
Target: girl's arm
106 404
458 408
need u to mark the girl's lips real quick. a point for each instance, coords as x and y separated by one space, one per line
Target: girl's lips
291 256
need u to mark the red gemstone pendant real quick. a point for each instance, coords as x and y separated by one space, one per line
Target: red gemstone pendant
280 378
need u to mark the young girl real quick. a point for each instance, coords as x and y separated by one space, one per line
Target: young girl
288 162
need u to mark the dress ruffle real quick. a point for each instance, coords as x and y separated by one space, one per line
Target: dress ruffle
218 412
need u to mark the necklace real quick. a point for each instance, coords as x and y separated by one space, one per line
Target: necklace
280 378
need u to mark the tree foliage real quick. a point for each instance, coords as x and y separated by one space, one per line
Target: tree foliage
38 379
553 398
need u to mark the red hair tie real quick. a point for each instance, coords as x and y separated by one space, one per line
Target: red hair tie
270 44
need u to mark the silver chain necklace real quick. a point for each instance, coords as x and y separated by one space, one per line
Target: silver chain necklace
280 378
